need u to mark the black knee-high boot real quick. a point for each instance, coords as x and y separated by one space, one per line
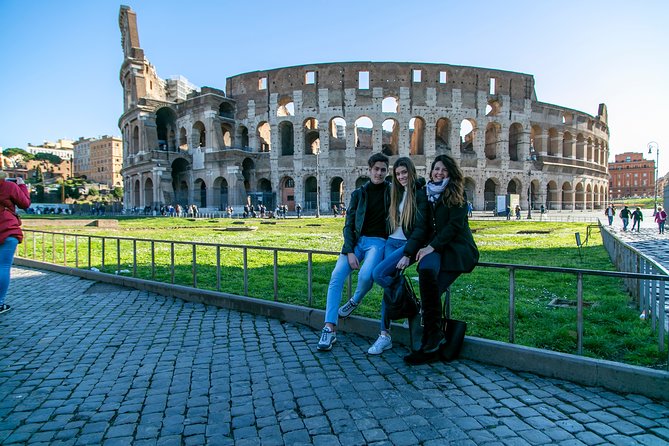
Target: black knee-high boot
431 300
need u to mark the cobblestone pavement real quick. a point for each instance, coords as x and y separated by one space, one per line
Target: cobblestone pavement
90 363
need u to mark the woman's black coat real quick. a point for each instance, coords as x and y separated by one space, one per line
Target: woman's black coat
452 238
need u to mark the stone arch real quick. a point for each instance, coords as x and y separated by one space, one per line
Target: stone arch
390 137
183 139
136 193
248 168
589 197
312 140
580 147
265 194
166 122
336 191
243 136
148 192
493 107
536 139
416 136
220 193
567 196
337 133
226 110
199 136
552 144
135 140
492 134
490 193
286 107
264 134
310 193
226 134
442 136
579 197
390 104
200 192
288 192
567 145
467 135
514 186
180 173
286 138
363 132
552 197
515 138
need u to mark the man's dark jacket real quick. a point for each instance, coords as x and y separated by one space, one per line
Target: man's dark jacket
355 215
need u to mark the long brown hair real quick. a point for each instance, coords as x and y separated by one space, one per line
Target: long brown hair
406 219
454 194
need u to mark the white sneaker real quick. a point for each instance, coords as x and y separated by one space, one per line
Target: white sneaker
383 343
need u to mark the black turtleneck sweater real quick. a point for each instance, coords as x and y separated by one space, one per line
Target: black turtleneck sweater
376 213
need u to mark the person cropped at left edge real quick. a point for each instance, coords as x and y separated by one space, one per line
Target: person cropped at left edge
12 195
365 233
407 215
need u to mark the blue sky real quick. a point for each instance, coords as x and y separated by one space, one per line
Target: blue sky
61 59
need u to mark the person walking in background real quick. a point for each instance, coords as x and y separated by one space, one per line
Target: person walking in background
637 218
625 215
407 218
365 233
610 213
517 212
12 195
450 252
660 219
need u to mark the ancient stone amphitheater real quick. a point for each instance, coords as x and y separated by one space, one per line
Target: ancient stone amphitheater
303 134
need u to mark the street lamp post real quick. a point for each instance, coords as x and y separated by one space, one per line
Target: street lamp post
318 184
529 195
656 146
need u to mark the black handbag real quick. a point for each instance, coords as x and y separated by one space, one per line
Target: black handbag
400 298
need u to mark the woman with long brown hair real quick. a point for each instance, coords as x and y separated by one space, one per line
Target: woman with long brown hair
450 252
408 233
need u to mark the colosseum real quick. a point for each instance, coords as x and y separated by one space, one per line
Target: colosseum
303 134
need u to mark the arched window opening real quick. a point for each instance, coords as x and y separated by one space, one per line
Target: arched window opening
165 125
567 145
416 136
491 139
337 134
226 132
442 136
201 193
470 190
489 194
199 138
389 105
552 142
312 141
286 138
243 136
336 192
264 194
515 135
264 139
363 133
288 192
136 193
580 147
552 201
286 107
148 192
513 187
183 139
221 193
135 141
567 196
390 137
536 140
493 108
467 135
226 110
310 191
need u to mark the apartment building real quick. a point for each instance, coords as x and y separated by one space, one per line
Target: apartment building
631 176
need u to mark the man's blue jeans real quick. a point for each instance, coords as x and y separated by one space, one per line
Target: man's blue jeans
385 271
369 251
7 250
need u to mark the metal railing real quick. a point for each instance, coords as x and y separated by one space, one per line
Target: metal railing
167 256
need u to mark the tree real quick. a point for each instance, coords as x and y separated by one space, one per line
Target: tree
53 159
14 151
93 192
118 192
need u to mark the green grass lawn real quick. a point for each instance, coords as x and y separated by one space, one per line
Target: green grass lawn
612 330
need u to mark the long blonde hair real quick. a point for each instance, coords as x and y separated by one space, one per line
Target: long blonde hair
454 194
406 219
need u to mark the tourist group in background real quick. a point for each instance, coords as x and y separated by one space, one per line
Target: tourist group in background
389 226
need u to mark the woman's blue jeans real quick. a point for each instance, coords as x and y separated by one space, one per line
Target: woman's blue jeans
369 251
384 272
7 250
